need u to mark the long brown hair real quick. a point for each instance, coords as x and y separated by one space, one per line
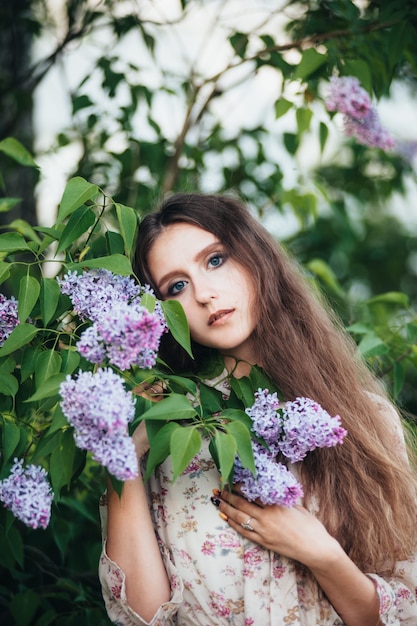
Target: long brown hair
366 490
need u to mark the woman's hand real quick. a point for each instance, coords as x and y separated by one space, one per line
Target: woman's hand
292 532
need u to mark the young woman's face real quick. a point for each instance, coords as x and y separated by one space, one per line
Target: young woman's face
191 265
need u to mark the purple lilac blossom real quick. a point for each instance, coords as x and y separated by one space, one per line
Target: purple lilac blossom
308 426
95 291
361 120
100 409
266 420
8 317
131 332
123 331
28 494
273 483
292 429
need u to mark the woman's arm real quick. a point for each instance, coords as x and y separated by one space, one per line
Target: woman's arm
296 534
132 544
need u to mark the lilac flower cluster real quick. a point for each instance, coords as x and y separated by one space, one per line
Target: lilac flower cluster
360 117
123 331
8 317
95 291
308 426
100 409
28 494
292 430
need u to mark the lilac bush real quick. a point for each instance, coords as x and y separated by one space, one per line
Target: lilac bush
28 494
291 429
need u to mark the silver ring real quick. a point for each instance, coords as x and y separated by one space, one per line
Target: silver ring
247 525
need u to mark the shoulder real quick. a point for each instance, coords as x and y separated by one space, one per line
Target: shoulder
390 415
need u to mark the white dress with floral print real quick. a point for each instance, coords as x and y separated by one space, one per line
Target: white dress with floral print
220 578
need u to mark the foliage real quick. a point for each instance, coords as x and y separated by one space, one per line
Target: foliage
359 254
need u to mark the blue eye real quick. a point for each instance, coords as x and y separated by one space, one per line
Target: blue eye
216 260
175 288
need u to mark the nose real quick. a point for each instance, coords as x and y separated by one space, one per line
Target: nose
204 291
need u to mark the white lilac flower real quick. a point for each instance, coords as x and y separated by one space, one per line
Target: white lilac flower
308 426
95 291
273 483
361 120
8 317
28 494
100 409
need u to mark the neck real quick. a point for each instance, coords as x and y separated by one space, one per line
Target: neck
237 368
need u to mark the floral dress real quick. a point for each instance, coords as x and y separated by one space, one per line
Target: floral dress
220 578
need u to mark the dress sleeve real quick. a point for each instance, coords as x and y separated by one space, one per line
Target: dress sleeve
397 595
112 579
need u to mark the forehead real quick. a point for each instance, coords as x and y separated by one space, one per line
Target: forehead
178 243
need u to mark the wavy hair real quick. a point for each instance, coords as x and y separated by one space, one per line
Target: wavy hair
365 489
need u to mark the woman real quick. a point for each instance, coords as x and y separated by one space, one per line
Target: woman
174 554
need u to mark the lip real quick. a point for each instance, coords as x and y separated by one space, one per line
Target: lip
220 316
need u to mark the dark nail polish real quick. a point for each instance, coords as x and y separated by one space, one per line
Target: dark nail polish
215 501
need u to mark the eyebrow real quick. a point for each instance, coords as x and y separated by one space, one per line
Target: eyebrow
200 255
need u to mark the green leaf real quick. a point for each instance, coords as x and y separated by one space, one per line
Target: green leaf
15 150
239 42
70 360
11 438
59 421
238 415
28 296
281 107
9 385
391 297
310 62
62 462
160 446
116 263
78 224
49 388
23 607
6 204
226 447
12 242
21 335
360 69
243 389
25 229
128 222
324 272
174 407
371 345
323 133
177 323
4 271
303 117
27 367
241 434
49 298
185 443
48 364
76 193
